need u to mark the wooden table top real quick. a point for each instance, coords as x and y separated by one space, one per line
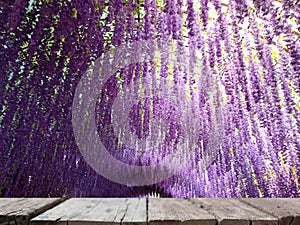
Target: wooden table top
156 211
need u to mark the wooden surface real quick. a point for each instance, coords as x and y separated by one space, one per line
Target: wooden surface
235 212
177 211
102 211
95 211
286 210
21 210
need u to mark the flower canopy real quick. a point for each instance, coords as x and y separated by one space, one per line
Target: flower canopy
242 104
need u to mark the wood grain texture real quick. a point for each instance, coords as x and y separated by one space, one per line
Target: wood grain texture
135 212
21 210
287 210
177 211
95 211
234 212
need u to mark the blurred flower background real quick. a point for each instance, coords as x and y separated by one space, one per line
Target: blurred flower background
251 49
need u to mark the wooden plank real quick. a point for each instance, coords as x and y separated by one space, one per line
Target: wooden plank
287 210
177 211
234 212
135 212
21 210
95 211
6 201
104 212
61 213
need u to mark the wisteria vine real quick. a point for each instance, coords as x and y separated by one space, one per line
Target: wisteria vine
247 103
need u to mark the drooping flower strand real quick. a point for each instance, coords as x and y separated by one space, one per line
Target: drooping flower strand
204 12
271 81
16 14
291 115
228 80
131 23
237 122
242 10
193 33
290 152
281 27
262 7
274 112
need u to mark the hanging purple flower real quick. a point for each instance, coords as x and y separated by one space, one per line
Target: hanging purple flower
245 102
204 12
241 8
263 7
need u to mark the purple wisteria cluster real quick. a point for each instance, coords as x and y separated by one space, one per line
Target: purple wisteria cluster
245 96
